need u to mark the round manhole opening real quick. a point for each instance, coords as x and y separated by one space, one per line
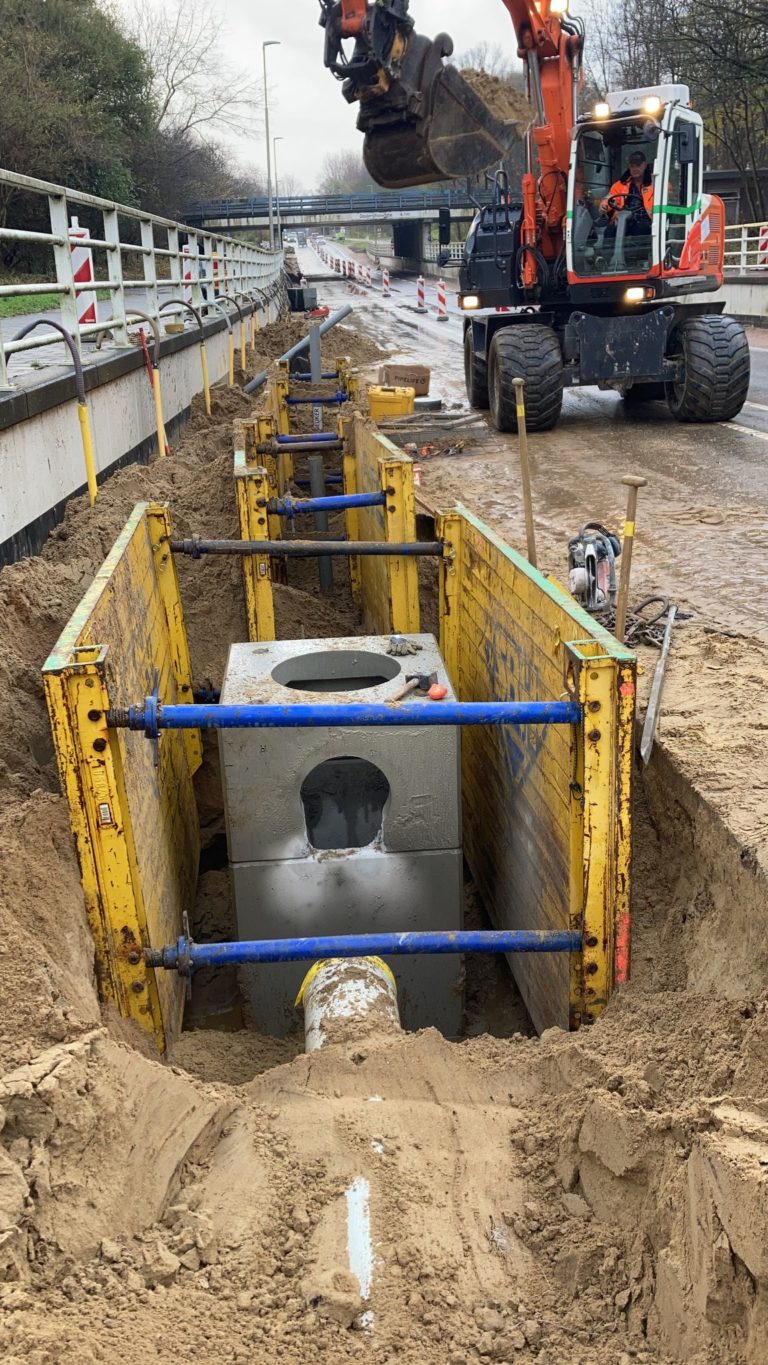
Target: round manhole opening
336 670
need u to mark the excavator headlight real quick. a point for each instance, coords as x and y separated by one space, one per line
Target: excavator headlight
637 293
652 105
559 6
469 302
601 109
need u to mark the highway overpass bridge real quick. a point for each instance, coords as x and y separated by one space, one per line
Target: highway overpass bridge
410 213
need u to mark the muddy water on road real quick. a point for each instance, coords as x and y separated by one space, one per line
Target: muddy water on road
702 520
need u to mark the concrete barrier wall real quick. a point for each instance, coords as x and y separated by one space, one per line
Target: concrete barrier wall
41 457
745 298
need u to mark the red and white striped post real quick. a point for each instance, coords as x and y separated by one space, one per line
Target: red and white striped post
762 245
186 292
368 276
421 306
359 273
385 284
442 302
82 270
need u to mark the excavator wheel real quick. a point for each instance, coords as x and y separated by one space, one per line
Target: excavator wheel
715 354
531 352
475 375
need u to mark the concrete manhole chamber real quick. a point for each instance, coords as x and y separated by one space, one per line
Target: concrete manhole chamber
345 830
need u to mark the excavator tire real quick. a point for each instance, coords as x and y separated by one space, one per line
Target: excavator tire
475 375
531 352
644 393
715 381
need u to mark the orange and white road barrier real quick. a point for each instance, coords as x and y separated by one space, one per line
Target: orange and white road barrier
385 284
82 269
442 302
186 292
368 276
421 306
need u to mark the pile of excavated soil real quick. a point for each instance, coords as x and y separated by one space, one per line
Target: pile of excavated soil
596 1198
593 1198
503 100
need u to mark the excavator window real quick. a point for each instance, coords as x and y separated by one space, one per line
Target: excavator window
611 227
683 189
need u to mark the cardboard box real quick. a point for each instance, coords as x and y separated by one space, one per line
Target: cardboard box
414 377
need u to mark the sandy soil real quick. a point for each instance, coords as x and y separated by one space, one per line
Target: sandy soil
595 1198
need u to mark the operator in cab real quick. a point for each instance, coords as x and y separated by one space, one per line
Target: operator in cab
633 191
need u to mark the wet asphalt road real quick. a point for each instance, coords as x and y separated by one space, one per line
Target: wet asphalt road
703 519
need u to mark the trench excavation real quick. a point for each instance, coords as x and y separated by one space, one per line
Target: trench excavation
598 1195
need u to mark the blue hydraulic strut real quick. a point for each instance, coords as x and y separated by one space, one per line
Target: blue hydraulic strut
186 955
153 716
293 507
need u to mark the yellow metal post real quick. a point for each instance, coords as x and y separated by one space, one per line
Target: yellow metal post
252 489
206 381
279 387
351 516
91 767
87 440
449 530
600 825
242 345
159 524
400 527
162 440
231 367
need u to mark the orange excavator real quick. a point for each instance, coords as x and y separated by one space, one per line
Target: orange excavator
597 285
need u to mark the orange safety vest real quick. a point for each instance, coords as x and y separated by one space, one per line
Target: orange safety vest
620 189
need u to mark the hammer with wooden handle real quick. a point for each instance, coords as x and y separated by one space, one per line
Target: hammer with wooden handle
633 482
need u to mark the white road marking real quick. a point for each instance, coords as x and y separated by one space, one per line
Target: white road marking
747 431
761 407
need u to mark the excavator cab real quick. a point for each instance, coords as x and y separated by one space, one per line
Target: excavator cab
667 232
423 120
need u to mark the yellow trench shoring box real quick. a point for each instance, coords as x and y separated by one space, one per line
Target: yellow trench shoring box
386 587
547 830
132 803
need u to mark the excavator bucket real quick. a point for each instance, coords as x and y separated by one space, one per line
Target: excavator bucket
437 123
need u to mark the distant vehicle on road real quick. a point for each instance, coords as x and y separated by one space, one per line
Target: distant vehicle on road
290 239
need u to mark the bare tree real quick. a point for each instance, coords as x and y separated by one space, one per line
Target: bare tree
344 173
194 87
718 49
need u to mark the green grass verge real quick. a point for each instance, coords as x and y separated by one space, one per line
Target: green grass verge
18 305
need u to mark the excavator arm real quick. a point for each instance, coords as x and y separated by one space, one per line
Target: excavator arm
423 120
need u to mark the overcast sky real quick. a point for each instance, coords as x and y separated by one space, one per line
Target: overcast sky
307 108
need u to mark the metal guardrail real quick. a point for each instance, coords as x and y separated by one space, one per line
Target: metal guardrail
434 251
166 256
388 201
746 247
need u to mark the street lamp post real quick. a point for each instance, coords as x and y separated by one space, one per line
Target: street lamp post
271 42
275 141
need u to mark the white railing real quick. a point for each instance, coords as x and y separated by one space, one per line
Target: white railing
746 247
433 251
167 258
